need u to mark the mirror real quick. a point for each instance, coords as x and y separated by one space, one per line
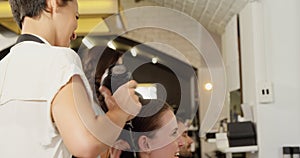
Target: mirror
235 105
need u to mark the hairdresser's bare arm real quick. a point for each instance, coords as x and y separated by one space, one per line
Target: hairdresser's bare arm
78 139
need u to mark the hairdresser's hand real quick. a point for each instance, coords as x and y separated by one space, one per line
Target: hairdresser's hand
119 146
125 99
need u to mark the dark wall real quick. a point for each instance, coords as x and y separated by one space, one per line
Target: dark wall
174 75
158 73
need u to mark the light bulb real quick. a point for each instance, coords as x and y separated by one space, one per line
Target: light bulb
154 60
208 86
133 52
88 43
111 45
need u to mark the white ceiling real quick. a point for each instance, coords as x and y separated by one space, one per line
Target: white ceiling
212 14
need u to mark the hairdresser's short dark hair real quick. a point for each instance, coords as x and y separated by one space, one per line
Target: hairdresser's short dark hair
30 8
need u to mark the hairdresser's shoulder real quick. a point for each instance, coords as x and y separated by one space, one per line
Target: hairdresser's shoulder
64 51
35 47
45 51
65 54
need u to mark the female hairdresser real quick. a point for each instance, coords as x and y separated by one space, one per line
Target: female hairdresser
45 101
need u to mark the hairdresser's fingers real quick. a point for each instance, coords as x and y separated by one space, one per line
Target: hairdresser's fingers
115 153
127 99
108 98
105 91
116 150
121 144
132 84
134 97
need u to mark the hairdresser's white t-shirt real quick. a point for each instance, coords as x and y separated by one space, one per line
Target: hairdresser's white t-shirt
30 76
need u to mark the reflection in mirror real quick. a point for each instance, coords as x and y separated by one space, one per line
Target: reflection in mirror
235 105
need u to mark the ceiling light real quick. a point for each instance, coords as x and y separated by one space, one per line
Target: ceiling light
154 60
88 43
133 52
111 45
208 86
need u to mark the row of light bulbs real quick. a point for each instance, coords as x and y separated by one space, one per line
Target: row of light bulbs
207 86
133 51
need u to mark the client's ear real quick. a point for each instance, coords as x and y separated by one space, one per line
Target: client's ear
144 143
